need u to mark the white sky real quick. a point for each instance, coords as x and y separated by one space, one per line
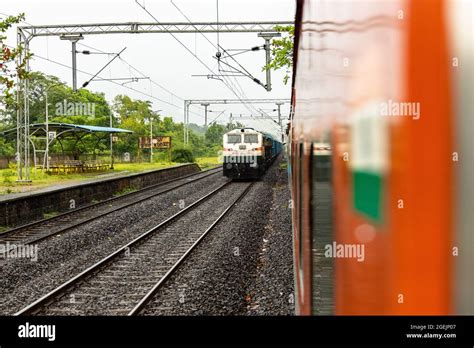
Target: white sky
159 56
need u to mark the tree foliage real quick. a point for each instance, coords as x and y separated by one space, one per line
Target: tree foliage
182 155
282 51
9 70
126 113
58 95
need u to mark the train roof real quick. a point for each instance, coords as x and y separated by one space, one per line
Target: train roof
241 130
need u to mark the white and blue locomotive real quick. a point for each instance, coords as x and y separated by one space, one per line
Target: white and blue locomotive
248 153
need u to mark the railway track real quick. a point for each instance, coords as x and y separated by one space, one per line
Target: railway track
126 280
40 230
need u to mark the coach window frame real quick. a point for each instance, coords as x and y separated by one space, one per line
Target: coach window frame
234 135
249 135
300 187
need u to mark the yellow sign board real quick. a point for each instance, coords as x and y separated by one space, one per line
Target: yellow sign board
160 142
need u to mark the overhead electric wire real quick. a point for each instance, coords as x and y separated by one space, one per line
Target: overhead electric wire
139 72
227 82
106 65
217 117
225 51
217 47
241 52
98 50
207 39
217 26
189 50
114 82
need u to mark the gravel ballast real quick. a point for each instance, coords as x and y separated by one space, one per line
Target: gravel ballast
117 288
64 256
244 266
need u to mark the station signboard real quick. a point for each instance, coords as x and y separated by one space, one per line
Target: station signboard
159 142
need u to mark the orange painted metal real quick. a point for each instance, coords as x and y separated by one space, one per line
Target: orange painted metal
421 232
408 265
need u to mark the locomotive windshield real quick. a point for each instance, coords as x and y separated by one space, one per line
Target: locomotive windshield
233 138
250 138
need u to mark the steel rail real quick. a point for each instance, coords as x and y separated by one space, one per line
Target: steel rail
54 294
21 229
148 297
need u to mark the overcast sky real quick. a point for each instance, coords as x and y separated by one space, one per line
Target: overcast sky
158 56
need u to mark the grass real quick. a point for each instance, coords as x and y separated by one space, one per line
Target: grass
50 214
141 167
283 165
40 179
125 191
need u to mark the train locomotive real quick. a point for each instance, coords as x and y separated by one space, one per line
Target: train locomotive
248 153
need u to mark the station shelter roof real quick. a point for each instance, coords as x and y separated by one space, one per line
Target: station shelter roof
40 129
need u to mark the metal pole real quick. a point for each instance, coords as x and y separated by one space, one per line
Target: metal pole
74 39
205 113
184 123
267 37
46 160
279 120
151 139
26 128
279 113
47 132
27 120
74 66
19 113
268 60
187 124
111 143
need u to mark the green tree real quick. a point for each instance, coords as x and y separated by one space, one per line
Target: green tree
136 115
214 134
6 148
60 94
167 126
10 71
62 101
282 51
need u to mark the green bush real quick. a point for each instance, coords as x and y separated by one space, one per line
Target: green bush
182 155
9 173
161 157
6 176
